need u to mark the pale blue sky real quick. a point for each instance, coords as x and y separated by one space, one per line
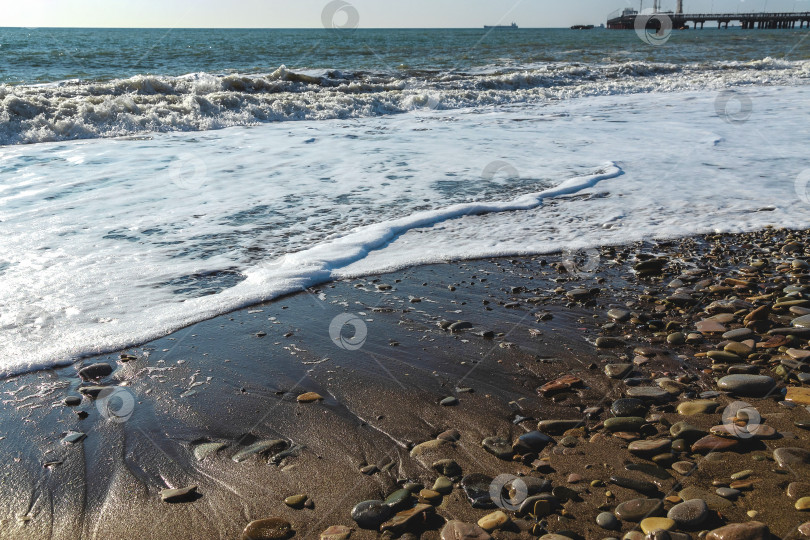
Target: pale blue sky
372 13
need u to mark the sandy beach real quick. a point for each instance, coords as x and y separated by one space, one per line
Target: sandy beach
598 383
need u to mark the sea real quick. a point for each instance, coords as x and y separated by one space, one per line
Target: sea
154 178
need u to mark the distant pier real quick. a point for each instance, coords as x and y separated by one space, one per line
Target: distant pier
627 20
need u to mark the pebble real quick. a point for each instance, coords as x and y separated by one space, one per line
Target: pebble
400 498
371 514
796 490
476 487
801 322
753 530
624 423
533 441
458 530
728 493
267 529
618 371
73 401
803 504
647 448
73 437
747 385
173 495
495 520
404 518
789 457
689 514
606 520
443 485
698 406
738 334
258 448
683 467
202 451
650 393
651 524
309 397
711 443
498 447
95 371
336 532
449 401
607 342
295 501
628 407
447 467
556 427
642 486
426 446
798 395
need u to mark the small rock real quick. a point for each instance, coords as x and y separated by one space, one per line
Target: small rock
178 495
309 397
267 529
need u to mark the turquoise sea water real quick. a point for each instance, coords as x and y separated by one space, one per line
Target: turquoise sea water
53 54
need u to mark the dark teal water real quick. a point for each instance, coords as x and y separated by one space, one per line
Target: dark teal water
53 54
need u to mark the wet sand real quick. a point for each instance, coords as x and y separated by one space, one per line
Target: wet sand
236 379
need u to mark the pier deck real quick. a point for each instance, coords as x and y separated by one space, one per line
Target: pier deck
694 20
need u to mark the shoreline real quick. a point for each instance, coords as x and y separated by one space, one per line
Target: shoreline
236 380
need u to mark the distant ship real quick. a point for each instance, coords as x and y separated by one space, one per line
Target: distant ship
512 26
582 27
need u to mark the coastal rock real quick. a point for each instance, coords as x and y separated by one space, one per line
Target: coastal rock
399 499
458 530
606 520
801 322
267 529
618 371
753 530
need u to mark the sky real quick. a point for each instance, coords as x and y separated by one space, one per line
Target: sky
369 13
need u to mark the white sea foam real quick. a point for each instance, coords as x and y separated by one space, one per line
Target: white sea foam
202 101
109 243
